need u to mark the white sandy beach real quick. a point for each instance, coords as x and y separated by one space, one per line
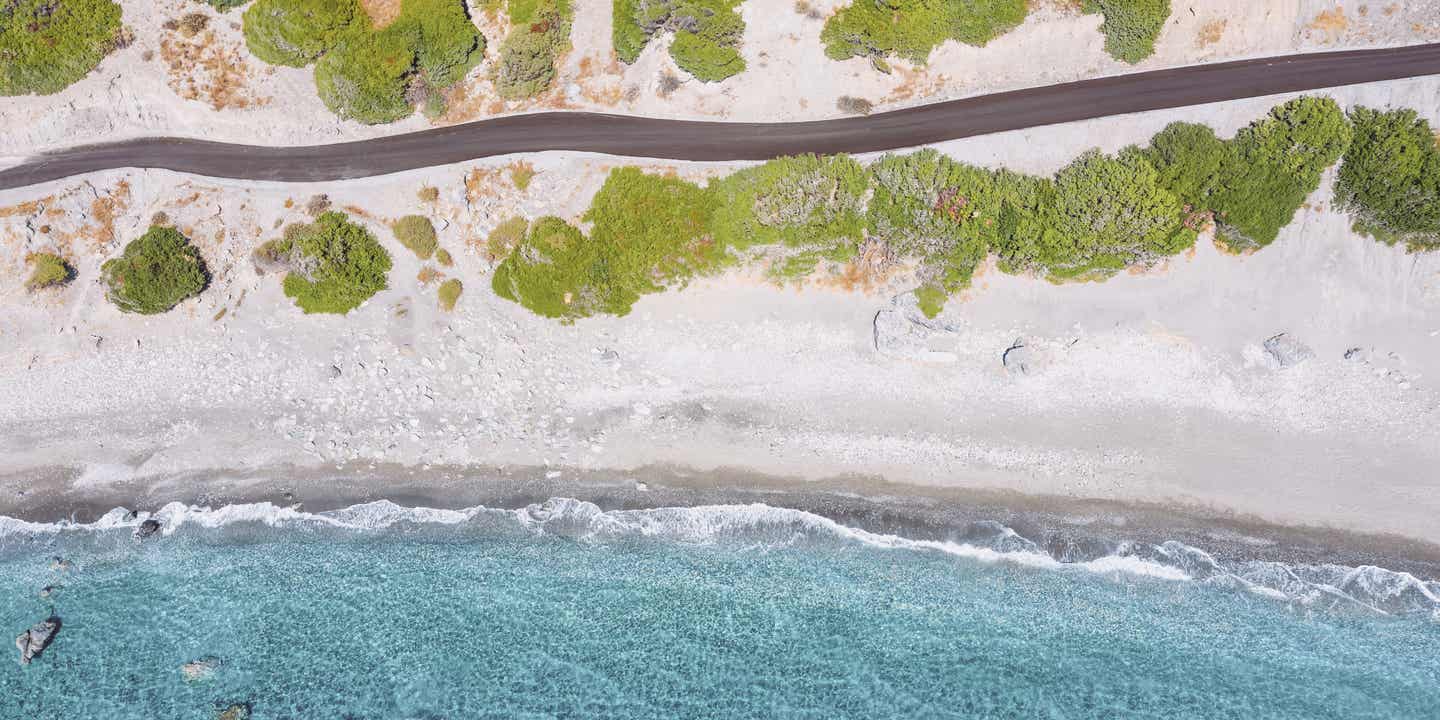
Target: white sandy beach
1151 387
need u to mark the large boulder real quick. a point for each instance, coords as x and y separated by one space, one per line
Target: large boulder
1286 351
32 642
1020 358
903 332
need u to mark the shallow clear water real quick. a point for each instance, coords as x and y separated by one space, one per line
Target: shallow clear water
731 612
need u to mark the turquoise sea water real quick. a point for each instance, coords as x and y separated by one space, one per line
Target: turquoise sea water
564 611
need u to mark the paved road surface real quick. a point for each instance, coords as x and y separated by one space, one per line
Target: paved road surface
690 140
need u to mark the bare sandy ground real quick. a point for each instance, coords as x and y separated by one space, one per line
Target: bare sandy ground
1150 387
208 85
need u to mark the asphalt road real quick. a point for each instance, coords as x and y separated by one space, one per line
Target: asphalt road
691 140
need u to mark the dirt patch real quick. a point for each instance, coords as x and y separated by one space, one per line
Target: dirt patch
201 67
1332 24
1210 33
381 12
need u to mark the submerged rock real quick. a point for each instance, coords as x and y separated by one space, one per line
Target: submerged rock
147 528
49 591
1286 351
59 564
202 669
32 642
235 711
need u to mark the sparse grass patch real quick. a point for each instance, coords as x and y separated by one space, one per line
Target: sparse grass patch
854 105
449 293
47 45
504 238
417 234
521 173
47 270
155 272
428 194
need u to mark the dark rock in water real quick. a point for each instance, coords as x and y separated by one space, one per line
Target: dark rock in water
131 515
147 528
235 711
1286 351
59 564
32 642
48 591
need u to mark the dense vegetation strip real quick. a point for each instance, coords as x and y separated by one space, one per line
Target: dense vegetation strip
45 45
707 33
911 29
373 75
1097 216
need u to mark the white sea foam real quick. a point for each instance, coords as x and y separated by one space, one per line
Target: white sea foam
1322 587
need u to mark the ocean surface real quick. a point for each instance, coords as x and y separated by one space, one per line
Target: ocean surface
562 610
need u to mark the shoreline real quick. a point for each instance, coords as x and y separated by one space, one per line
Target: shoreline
1063 526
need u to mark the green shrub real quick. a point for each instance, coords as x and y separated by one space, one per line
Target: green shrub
1131 26
333 265
1390 179
555 272
814 207
1278 163
707 33
944 213
912 28
1192 162
48 270
417 234
442 256
540 33
449 293
361 73
155 273
46 45
364 77
1112 212
649 233
298 32
654 230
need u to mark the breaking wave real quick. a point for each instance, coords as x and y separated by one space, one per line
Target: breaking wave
1322 587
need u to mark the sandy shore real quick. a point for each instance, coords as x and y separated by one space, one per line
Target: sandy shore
1150 388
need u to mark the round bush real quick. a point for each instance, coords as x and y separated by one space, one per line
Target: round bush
155 273
334 264
45 45
416 233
